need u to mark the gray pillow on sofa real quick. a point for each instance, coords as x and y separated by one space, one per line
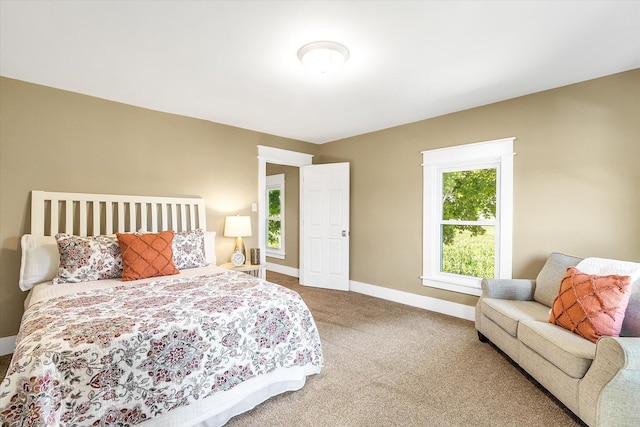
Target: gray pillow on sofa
551 275
631 323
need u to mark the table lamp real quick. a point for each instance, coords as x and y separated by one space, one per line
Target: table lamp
238 226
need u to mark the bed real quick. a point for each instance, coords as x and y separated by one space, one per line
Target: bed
102 343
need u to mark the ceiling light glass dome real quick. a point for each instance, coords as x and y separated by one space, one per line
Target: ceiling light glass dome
323 56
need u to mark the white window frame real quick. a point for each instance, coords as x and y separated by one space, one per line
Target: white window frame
497 153
275 182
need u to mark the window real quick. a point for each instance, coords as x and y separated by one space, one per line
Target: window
467 225
275 216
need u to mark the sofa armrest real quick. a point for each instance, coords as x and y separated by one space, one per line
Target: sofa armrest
610 391
512 289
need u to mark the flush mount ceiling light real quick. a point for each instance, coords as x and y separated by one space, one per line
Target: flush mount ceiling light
323 56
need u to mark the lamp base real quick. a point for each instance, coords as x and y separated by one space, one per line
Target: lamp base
240 247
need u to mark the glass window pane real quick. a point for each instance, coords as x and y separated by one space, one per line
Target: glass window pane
274 238
274 203
469 195
468 250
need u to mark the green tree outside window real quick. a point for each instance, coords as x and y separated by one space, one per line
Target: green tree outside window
469 198
274 222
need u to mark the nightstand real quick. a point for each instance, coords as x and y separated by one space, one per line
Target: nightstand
256 270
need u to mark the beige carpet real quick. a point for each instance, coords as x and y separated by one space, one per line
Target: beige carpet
388 364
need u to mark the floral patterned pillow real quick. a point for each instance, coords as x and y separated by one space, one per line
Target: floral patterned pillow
84 259
188 249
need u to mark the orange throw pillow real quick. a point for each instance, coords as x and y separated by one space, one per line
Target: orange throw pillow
591 306
146 255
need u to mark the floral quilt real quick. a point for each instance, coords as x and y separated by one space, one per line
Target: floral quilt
122 355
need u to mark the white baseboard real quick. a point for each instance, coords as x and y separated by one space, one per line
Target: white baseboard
7 345
420 301
283 269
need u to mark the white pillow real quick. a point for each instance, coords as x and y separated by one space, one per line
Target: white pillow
40 260
210 247
607 267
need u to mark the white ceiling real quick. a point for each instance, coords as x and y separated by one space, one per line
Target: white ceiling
234 62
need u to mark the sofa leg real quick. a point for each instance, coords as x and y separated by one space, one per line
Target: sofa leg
482 338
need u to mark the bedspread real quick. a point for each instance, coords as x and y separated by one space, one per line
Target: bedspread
125 354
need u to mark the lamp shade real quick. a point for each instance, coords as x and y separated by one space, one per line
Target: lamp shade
237 226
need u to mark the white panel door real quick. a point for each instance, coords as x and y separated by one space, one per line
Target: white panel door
324 226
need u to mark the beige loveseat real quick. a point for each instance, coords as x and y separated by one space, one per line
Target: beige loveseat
599 382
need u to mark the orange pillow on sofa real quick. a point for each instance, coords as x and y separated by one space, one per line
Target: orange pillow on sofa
146 255
591 306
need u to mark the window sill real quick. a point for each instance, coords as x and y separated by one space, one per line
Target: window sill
469 288
275 255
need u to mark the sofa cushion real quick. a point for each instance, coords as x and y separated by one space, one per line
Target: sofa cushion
631 322
569 352
549 278
591 305
507 313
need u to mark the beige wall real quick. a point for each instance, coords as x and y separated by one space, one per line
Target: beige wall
291 212
576 180
61 141
576 173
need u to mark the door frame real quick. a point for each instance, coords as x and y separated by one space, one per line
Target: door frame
276 156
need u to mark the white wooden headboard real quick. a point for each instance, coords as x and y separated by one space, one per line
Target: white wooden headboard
95 214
